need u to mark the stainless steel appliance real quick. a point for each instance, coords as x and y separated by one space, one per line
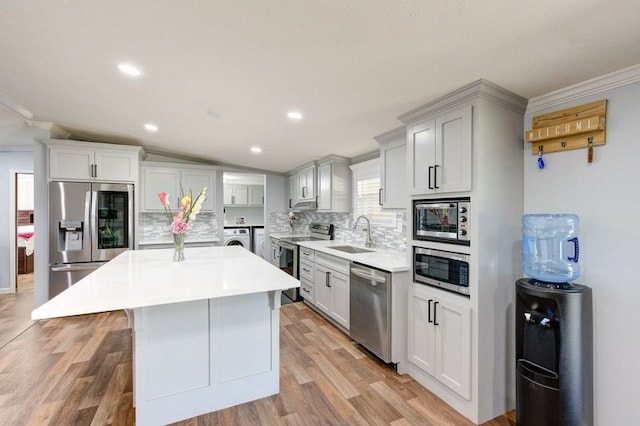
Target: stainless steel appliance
89 224
443 269
370 309
443 220
288 251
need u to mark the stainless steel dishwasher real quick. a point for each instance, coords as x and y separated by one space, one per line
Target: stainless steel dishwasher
370 309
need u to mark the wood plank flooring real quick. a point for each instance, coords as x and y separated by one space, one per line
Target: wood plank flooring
15 310
78 371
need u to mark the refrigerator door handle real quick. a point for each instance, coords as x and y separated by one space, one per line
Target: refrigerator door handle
92 212
76 267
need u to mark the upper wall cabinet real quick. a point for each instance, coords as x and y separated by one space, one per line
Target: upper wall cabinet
439 152
172 178
236 194
306 184
334 184
256 195
241 195
302 186
88 161
393 173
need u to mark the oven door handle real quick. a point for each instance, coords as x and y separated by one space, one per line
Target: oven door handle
435 206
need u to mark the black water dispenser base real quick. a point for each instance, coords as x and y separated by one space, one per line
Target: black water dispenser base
554 354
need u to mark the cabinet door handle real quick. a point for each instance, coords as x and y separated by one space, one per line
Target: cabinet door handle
303 194
435 177
289 202
327 278
380 196
429 174
429 311
435 312
233 199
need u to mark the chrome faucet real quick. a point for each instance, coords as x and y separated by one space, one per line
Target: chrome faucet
368 242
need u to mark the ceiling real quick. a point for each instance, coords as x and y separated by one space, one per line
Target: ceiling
219 76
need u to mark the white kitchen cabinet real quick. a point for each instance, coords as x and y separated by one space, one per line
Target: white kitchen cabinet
393 173
172 179
236 195
156 180
274 252
495 116
440 153
307 183
331 286
440 338
334 184
85 161
302 185
292 186
195 180
256 195
307 275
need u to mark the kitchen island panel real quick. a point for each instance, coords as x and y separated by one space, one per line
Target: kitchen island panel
240 338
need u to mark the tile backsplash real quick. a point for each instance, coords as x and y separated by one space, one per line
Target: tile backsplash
155 226
382 237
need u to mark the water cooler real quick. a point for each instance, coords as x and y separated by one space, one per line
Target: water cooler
554 354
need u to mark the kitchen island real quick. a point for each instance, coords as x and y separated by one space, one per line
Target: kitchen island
205 330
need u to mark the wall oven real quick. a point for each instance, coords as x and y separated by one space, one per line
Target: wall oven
438 268
443 220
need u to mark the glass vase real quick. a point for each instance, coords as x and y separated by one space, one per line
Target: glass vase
178 247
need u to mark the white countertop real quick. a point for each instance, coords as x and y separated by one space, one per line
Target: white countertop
186 240
138 278
280 235
386 259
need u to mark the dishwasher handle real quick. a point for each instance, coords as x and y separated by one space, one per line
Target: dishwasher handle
368 275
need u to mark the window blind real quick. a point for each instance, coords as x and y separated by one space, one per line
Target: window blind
366 179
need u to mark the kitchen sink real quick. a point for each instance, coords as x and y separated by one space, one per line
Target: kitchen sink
351 249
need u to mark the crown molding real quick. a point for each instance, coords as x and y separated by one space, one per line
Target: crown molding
594 86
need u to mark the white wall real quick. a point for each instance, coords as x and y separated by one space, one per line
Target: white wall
16 142
605 196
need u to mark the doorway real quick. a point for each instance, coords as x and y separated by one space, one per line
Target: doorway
23 233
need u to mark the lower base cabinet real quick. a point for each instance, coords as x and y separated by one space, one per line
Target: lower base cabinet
440 338
331 287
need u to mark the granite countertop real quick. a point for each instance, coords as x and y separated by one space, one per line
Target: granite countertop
385 259
138 278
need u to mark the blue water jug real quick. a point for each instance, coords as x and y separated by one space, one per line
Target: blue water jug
550 247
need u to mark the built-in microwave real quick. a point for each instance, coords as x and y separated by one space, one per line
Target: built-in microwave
444 220
438 268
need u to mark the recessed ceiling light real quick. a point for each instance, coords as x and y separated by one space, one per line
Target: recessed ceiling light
294 115
129 70
150 127
256 149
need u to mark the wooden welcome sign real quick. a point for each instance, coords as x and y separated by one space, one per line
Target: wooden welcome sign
572 128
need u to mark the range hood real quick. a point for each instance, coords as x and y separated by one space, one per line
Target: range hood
305 205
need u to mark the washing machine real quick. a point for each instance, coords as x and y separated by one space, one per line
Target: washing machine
237 237
258 242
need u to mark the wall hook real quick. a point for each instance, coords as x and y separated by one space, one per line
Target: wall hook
563 144
590 150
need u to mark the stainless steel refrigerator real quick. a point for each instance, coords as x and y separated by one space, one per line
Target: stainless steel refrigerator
89 224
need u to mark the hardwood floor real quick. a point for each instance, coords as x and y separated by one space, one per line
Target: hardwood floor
77 371
15 310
